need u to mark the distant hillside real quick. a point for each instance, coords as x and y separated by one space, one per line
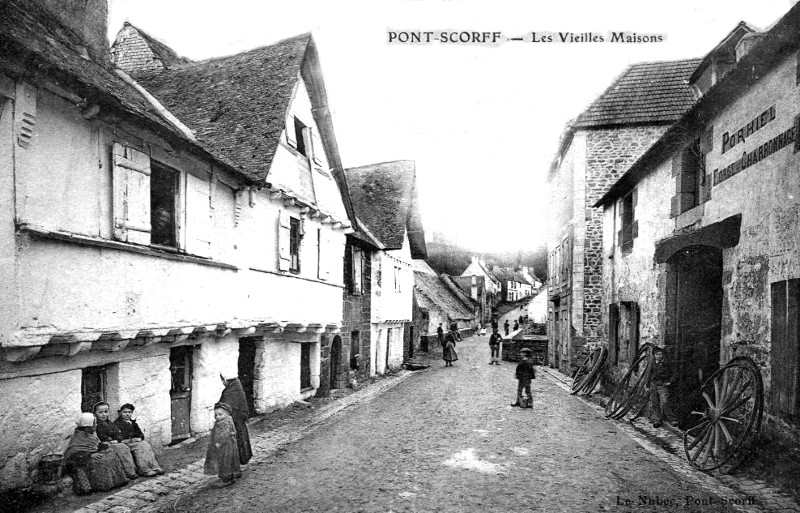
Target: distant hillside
449 258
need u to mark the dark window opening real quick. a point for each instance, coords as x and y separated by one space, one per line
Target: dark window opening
305 366
180 367
163 190
627 222
355 349
299 135
294 244
93 387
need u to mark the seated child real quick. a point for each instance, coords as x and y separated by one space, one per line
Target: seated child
132 436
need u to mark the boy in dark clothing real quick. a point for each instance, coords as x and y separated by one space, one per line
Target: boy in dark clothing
494 324
660 381
506 325
494 345
525 373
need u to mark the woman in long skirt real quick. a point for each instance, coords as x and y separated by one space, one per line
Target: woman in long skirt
233 395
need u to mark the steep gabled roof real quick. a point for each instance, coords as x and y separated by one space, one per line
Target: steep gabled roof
432 294
31 35
164 53
236 104
728 44
385 198
649 93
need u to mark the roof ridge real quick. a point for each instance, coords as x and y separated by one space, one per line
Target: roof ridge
286 40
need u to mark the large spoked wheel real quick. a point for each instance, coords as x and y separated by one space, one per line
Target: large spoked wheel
587 375
735 398
634 389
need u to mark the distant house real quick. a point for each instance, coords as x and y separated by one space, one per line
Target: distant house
385 200
488 294
438 304
513 284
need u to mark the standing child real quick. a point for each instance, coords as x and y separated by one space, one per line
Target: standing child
494 346
524 375
449 354
660 381
222 455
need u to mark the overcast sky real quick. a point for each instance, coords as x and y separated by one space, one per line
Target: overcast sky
482 122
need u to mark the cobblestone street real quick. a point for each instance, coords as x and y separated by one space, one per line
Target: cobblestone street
446 439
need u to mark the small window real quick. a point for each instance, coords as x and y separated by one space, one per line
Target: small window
299 134
295 233
355 349
357 266
627 222
93 387
163 191
305 367
397 279
378 274
180 367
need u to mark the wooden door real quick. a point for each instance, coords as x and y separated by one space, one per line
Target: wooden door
180 367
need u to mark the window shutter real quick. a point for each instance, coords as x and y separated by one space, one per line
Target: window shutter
198 216
131 194
797 133
284 234
290 137
633 340
677 164
317 151
635 229
707 141
613 321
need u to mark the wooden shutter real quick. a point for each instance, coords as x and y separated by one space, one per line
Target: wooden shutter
613 322
634 221
633 340
317 151
198 216
707 141
131 194
785 331
290 137
284 235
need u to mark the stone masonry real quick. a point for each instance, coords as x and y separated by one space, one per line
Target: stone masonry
609 153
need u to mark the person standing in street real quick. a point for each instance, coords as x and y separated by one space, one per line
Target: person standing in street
506 325
494 346
660 381
233 395
440 334
525 373
495 325
449 354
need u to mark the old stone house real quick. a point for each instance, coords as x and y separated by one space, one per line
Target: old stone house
438 304
713 271
385 200
513 284
595 149
150 240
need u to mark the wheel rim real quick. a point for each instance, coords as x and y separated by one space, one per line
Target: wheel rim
734 398
633 387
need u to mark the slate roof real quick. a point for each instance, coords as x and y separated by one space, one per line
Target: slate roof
237 105
423 267
432 294
506 275
777 44
645 93
385 199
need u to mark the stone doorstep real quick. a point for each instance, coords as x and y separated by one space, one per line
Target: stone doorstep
191 476
764 493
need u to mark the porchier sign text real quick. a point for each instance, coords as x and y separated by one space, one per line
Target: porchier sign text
731 139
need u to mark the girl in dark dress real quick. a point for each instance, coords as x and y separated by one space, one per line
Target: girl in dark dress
132 436
233 395
449 354
222 455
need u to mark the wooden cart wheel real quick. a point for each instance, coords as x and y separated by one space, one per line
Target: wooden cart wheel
735 399
587 375
634 387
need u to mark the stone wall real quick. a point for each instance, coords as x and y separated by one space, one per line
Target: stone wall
609 153
131 53
356 317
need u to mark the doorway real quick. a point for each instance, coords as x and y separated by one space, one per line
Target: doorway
247 370
388 345
335 362
180 368
693 326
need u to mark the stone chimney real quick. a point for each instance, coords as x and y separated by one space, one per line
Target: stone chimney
88 19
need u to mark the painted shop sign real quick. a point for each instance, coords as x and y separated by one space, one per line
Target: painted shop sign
731 139
780 141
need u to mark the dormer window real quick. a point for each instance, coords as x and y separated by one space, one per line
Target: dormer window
299 136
